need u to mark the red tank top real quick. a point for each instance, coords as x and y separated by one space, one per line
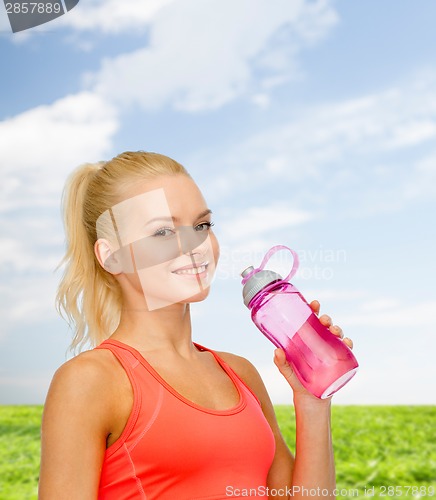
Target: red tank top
173 449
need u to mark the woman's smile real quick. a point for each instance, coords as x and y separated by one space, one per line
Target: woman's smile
193 271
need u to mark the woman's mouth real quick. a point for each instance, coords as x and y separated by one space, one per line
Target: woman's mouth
192 270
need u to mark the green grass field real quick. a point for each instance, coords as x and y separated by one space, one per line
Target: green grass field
389 448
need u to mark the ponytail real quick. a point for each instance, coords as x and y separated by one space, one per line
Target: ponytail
88 297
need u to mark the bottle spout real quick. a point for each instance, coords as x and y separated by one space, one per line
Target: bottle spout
247 271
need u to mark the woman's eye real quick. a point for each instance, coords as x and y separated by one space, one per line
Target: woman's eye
204 226
164 231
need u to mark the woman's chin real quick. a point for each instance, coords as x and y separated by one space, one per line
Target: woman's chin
155 303
198 297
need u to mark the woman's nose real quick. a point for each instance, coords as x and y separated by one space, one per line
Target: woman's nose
190 239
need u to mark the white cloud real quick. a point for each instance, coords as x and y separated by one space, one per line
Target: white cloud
13 254
69 130
354 148
261 100
31 241
27 300
373 123
380 304
204 53
411 133
113 16
422 182
261 219
40 146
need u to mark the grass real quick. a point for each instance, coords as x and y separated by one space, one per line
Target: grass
19 451
375 447
380 447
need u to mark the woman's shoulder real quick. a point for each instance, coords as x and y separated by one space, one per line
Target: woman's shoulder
244 369
91 364
248 373
82 407
84 376
236 362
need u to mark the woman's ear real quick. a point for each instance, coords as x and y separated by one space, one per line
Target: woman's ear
107 258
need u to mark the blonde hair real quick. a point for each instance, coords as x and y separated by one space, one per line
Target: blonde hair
88 296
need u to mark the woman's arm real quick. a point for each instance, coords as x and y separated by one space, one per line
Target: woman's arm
314 468
311 473
313 465
75 427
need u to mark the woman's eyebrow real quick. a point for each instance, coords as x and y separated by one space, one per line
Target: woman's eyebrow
204 213
176 219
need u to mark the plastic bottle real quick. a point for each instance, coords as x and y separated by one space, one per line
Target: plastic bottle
321 361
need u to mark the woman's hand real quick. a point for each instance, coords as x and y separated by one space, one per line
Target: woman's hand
286 369
327 321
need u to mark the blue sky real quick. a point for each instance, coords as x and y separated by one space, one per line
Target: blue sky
306 123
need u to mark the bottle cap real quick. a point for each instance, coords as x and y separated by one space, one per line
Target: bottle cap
256 279
257 282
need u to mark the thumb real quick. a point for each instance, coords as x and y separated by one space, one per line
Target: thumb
282 364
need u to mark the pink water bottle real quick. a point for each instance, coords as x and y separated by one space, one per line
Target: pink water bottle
321 361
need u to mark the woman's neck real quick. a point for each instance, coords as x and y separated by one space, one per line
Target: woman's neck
168 328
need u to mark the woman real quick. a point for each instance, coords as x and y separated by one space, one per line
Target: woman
148 413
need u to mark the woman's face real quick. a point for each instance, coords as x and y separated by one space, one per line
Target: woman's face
165 246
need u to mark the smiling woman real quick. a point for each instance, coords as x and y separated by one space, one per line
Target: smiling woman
148 413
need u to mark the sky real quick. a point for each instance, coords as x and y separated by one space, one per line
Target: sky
306 123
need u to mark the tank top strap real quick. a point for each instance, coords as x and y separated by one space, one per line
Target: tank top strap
122 352
129 362
230 371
